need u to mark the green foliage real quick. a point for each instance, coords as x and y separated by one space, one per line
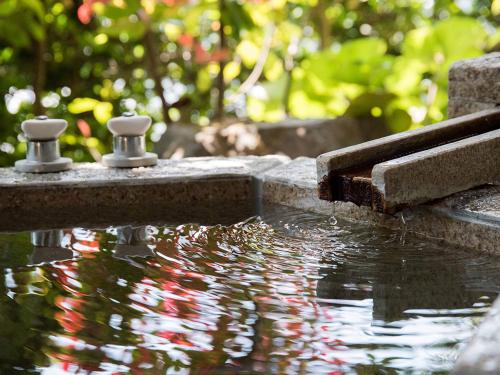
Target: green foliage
88 60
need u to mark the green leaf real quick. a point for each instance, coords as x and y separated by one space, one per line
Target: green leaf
114 12
405 76
273 68
248 51
133 30
362 61
7 7
14 34
37 31
448 41
363 104
203 80
231 71
268 105
398 120
303 106
80 105
103 111
236 16
36 6
495 7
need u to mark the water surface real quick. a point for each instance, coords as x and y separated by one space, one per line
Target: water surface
288 292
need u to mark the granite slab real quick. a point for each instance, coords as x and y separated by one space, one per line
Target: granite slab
462 106
476 79
95 174
474 85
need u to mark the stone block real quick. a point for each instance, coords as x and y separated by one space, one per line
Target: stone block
460 107
474 84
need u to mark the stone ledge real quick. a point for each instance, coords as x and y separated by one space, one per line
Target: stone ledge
167 171
90 192
294 184
90 185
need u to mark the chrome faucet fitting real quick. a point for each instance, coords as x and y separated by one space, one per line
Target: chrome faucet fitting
129 142
43 153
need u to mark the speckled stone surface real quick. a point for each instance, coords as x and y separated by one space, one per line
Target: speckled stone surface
460 107
482 204
474 84
94 174
477 78
294 184
91 191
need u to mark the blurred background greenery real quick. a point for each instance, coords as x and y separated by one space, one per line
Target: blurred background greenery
204 61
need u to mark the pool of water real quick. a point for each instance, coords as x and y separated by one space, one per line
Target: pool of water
286 292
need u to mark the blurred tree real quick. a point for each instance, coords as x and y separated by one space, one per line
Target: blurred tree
202 60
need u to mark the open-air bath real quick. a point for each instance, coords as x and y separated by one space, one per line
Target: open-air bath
249 187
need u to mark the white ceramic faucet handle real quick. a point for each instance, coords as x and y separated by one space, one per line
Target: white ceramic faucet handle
129 124
42 128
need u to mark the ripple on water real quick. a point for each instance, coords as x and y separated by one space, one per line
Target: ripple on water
290 292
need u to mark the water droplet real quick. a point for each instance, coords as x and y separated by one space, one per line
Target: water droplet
332 220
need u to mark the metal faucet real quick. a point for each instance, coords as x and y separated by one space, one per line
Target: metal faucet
129 144
43 154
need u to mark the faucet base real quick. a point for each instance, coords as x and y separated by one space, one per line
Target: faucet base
32 166
114 161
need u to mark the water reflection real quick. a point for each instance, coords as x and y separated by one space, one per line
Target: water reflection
398 284
132 242
47 246
287 294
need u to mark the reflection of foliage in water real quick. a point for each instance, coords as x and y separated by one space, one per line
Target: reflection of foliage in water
195 305
250 297
303 58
